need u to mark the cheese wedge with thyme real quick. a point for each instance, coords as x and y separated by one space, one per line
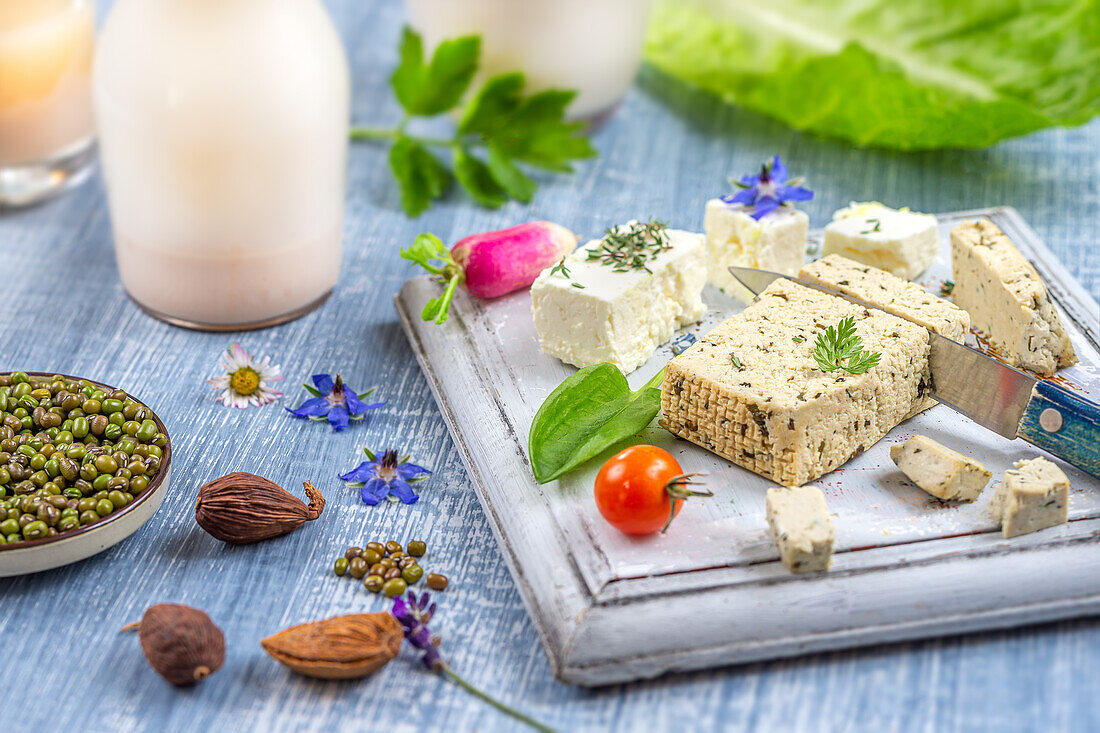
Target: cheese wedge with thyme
1030 497
776 242
751 390
900 241
944 473
1007 300
617 299
894 295
801 528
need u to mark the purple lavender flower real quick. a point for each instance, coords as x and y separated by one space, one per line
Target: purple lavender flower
766 192
377 479
335 401
414 615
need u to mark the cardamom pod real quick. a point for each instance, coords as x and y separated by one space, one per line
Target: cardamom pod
338 648
242 508
181 643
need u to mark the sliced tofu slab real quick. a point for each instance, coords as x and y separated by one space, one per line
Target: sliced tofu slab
1030 497
801 528
944 473
1007 300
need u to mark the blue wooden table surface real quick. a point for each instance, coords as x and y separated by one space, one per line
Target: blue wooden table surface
62 308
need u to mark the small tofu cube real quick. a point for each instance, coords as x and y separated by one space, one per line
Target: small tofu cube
801 527
902 242
942 472
777 242
596 309
1033 496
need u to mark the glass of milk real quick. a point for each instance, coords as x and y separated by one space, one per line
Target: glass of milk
592 46
223 138
46 130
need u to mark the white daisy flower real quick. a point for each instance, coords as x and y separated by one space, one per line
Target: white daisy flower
246 380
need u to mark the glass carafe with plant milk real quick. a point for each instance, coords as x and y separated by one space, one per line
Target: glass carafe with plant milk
223 134
592 46
46 131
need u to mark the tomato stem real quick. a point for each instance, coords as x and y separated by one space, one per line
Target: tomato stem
677 490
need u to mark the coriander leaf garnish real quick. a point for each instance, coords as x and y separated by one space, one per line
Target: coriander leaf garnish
632 246
499 128
840 348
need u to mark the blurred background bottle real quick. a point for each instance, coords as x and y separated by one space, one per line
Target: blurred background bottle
592 46
46 129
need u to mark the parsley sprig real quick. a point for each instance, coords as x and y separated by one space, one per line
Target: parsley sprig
840 348
631 246
499 128
430 253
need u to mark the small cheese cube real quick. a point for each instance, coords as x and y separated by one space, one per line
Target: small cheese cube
942 472
596 310
1032 496
751 391
892 294
901 242
801 528
1007 300
777 242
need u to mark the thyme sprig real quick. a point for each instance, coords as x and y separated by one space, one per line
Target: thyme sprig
632 246
840 348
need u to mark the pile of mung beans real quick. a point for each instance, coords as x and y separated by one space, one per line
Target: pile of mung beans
388 568
71 453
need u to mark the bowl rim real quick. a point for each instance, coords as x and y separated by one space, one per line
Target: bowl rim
154 486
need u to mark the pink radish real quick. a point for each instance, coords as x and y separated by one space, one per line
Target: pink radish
491 264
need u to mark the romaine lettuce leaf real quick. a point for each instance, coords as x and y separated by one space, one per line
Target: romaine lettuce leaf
906 74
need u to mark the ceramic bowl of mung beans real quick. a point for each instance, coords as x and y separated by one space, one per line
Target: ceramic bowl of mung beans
83 465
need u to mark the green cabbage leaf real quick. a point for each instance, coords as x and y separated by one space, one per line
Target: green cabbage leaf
903 74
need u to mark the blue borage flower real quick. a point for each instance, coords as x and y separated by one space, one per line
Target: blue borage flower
766 192
414 614
334 401
682 343
377 479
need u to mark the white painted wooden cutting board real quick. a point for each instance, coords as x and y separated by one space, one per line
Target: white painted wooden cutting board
711 591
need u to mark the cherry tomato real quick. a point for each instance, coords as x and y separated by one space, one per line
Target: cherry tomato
641 489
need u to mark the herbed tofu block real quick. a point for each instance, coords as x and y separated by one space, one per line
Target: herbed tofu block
777 242
1032 496
1007 299
899 241
801 528
944 473
892 294
751 391
595 314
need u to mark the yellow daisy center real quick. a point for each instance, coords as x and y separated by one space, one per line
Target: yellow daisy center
245 381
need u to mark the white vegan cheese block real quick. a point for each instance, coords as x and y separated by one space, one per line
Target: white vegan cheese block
1007 300
942 472
1032 496
892 294
902 242
777 242
773 410
596 314
801 528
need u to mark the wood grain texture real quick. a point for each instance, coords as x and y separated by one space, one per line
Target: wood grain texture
668 150
1073 435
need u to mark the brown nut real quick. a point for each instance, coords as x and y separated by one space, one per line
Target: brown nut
339 648
242 508
181 643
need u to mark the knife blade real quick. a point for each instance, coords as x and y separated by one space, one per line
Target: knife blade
994 395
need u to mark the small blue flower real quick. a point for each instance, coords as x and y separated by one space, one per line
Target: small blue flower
335 401
414 615
376 479
766 192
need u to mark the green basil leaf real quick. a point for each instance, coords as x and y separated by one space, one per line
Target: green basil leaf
438 86
477 180
490 110
419 173
505 172
588 413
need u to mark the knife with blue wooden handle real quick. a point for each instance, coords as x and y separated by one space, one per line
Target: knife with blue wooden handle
994 395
